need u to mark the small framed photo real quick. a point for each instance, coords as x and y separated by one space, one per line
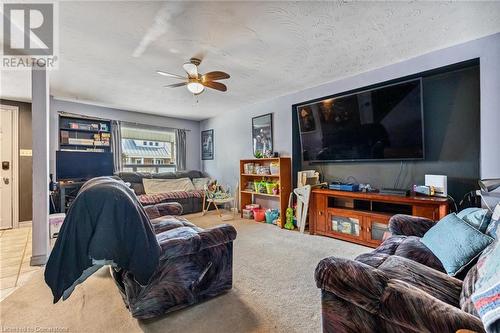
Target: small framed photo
262 135
207 144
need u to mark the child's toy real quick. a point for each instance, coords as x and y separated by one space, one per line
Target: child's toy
271 215
289 214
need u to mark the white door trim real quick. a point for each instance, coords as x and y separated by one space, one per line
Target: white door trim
15 162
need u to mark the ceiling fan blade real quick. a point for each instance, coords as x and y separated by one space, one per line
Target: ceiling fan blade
191 70
175 76
176 85
215 85
216 75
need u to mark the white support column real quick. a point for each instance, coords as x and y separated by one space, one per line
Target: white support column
40 131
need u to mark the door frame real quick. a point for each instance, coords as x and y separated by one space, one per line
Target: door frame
15 162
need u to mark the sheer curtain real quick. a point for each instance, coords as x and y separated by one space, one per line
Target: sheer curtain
116 145
180 151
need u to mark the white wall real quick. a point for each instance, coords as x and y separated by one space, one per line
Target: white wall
193 135
232 130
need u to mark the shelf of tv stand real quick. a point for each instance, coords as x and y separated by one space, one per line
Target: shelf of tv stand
366 210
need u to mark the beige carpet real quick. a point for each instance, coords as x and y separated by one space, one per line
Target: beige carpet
273 291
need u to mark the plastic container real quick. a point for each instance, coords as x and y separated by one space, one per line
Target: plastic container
269 187
272 215
259 214
274 168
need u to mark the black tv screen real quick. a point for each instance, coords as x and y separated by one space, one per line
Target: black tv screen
385 123
74 165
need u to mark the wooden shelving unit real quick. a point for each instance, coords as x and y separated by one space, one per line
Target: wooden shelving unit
284 178
73 129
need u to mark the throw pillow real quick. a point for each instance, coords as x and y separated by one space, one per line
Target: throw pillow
486 297
199 183
455 243
157 186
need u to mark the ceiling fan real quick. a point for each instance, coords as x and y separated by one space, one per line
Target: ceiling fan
195 81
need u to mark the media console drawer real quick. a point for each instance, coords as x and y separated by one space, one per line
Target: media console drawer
363 218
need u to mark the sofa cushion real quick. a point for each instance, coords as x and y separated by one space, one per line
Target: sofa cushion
157 186
404 246
463 243
165 175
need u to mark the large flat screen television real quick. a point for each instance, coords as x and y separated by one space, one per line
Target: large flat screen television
80 166
384 123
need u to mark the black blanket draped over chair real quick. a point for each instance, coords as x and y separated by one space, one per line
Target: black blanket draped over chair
159 265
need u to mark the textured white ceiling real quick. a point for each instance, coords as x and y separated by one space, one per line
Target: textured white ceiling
109 51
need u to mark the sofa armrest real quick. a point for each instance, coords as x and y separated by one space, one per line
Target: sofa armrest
186 240
162 209
407 225
410 307
353 281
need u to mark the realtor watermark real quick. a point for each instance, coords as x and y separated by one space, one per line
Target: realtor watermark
29 35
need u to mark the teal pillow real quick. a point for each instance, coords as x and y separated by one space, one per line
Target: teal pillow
479 218
455 243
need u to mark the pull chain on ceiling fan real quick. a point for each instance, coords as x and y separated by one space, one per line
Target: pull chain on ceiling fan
195 81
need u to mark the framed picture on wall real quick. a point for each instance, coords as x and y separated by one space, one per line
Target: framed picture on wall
262 135
207 144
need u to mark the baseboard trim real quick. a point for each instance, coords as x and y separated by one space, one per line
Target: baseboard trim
39 260
23 224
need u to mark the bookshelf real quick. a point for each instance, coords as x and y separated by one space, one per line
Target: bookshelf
84 134
283 176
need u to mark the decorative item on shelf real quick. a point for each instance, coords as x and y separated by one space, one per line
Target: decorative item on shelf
103 127
276 189
274 168
262 135
249 168
250 186
262 170
64 137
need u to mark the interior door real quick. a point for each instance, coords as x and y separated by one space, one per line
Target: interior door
6 154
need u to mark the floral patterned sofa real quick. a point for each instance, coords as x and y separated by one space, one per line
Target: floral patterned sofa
399 287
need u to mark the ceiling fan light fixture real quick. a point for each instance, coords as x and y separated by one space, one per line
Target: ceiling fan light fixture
195 87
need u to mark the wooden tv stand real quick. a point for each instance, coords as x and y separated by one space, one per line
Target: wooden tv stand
362 218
